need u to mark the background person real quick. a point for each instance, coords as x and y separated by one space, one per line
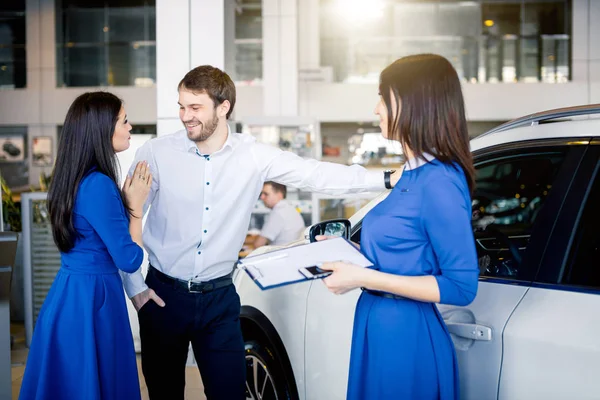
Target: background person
284 223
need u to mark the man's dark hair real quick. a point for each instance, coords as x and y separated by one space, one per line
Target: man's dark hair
278 187
212 81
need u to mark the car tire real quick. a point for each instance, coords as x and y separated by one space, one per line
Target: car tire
264 378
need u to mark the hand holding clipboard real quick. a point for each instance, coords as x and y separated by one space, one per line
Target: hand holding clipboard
299 263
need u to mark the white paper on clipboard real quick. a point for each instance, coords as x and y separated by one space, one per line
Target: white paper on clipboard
281 267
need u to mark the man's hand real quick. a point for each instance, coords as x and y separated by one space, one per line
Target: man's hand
260 241
250 238
143 297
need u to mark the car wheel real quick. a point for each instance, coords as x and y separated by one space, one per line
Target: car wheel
264 379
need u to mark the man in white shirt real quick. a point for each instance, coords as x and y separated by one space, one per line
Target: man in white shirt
284 223
206 180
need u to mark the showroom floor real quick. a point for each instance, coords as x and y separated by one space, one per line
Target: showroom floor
193 388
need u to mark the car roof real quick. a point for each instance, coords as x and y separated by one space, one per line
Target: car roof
570 122
566 129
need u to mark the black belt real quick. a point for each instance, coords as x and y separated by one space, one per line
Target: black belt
384 294
191 286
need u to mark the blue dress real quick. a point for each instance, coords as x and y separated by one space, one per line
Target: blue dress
401 348
82 346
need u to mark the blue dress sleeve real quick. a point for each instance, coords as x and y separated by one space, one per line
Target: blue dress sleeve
101 205
447 223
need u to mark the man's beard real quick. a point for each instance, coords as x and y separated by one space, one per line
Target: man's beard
206 130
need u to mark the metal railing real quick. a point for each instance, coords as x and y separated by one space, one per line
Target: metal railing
41 258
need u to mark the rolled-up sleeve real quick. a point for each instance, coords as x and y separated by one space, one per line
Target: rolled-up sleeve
446 216
316 176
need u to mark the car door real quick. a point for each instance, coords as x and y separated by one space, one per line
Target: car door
551 346
519 190
329 322
510 238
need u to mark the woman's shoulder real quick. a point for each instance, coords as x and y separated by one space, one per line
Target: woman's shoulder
96 177
96 183
439 169
441 174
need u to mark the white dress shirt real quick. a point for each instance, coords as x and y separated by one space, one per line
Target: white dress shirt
200 205
284 224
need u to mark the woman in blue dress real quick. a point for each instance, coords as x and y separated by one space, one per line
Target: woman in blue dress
82 346
419 239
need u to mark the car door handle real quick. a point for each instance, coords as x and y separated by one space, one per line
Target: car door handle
470 331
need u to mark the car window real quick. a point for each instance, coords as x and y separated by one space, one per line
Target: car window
509 194
511 189
583 265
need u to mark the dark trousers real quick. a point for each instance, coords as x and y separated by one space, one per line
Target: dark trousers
210 321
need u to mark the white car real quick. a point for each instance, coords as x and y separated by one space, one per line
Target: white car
533 331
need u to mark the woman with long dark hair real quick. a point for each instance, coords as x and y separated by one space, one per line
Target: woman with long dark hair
419 239
82 347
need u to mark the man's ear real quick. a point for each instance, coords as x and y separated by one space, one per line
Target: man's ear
224 108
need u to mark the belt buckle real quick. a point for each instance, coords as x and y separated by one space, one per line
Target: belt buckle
190 287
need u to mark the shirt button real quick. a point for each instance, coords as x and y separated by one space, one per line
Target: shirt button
199 252
208 183
205 231
207 159
206 208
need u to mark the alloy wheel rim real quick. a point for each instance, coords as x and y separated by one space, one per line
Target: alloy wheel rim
258 380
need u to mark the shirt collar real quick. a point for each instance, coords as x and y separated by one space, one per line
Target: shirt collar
192 148
417 162
281 203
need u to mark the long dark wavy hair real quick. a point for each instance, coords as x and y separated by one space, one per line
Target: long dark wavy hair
430 110
85 142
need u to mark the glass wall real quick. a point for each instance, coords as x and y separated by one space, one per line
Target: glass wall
248 42
486 40
13 71
358 143
106 42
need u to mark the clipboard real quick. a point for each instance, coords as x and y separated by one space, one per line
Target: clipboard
281 267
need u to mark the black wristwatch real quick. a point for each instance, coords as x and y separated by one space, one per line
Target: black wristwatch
386 178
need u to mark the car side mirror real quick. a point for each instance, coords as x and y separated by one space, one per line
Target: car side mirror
333 227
